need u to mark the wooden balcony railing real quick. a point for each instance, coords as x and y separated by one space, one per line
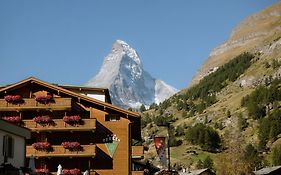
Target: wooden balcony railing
31 104
60 151
90 173
137 151
137 172
60 125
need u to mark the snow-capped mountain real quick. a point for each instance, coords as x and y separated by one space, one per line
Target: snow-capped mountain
128 83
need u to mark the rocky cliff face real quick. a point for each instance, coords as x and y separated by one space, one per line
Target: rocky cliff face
129 84
250 35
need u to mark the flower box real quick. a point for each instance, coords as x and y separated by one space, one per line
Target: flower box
74 171
72 146
12 119
15 99
75 119
42 146
43 120
42 171
44 99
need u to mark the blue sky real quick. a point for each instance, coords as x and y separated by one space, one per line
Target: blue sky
65 41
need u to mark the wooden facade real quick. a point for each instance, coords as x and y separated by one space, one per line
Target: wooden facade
97 138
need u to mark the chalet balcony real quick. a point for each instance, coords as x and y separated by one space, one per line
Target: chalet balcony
137 151
60 125
32 104
60 151
137 172
90 173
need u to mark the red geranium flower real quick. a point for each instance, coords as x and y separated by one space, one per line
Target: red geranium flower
12 119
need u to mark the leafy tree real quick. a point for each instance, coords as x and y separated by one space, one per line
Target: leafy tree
204 136
228 114
173 140
252 157
153 106
142 108
145 119
256 102
199 164
242 122
179 130
266 65
276 155
208 163
275 64
270 128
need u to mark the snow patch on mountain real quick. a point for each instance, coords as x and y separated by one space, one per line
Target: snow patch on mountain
128 83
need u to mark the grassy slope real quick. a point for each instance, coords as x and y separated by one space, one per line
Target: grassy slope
228 99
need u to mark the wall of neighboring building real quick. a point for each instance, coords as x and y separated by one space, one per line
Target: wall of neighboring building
121 159
18 147
97 96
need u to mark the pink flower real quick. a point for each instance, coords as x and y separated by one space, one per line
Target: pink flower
42 146
44 98
46 171
12 119
72 119
74 171
72 146
43 120
13 98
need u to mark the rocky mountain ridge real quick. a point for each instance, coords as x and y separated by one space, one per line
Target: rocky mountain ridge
129 84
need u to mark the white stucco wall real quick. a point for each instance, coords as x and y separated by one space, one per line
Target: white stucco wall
19 150
97 96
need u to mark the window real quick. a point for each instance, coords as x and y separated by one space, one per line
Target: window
112 117
8 146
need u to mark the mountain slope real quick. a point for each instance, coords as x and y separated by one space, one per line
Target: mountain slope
129 84
250 34
216 100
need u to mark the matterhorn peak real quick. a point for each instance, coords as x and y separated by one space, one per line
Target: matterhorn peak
128 83
123 48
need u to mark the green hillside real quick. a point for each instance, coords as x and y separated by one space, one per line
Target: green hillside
230 120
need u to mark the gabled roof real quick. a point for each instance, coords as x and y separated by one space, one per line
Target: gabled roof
71 93
197 172
14 129
267 170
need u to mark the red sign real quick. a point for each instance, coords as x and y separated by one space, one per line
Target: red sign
160 146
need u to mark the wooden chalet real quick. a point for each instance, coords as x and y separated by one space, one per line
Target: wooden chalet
71 128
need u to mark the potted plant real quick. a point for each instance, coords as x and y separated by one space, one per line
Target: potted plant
75 119
12 119
42 171
14 99
42 146
43 120
74 171
44 99
72 146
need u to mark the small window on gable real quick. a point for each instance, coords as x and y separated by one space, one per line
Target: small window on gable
8 146
112 117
